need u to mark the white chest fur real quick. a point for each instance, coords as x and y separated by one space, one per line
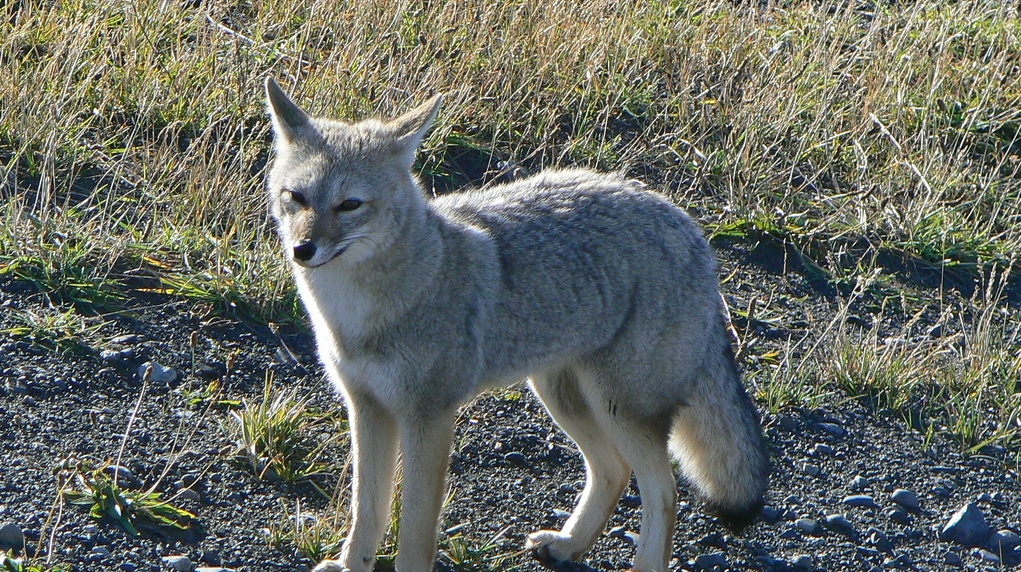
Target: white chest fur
341 310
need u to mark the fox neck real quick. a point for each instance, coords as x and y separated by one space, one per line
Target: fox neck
351 301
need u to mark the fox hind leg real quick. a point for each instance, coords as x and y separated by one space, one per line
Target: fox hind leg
606 471
645 449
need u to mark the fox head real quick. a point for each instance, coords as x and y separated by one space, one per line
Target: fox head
342 191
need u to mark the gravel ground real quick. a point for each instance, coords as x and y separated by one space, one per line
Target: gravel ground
852 489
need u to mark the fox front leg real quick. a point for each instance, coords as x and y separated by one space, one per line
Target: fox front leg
374 450
425 446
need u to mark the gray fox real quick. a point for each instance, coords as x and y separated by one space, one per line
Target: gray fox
600 293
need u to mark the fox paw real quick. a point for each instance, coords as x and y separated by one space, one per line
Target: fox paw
550 547
330 566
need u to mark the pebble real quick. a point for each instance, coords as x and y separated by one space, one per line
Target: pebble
567 489
811 470
189 494
515 458
859 483
631 501
838 523
986 556
802 563
213 569
833 429
178 562
808 526
860 500
770 514
953 559
820 450
161 374
899 515
941 491
128 567
711 561
967 526
905 498
1006 540
101 551
11 536
879 540
123 474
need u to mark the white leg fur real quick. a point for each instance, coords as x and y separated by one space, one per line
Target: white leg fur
606 473
425 447
374 449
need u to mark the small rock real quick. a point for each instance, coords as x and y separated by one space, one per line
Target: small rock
953 559
631 538
860 500
567 489
802 563
899 515
985 497
838 523
631 501
878 539
111 356
515 458
123 475
189 494
160 373
714 539
560 513
808 526
126 339
616 532
210 371
11 536
967 526
128 567
770 514
178 563
711 561
811 470
787 423
941 491
905 498
820 450
833 429
986 556
859 483
213 569
1005 540
101 551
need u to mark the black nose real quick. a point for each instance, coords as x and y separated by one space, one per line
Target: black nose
305 251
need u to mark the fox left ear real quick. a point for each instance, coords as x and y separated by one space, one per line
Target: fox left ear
288 119
409 129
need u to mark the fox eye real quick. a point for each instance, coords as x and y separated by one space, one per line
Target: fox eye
298 198
349 205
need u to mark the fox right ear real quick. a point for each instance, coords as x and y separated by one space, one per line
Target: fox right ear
288 119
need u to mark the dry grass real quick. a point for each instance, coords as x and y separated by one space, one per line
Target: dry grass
133 137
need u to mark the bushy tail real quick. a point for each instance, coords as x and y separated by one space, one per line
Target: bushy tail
717 438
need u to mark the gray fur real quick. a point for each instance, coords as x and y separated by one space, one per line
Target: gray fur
602 293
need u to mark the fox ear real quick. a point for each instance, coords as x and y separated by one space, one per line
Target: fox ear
409 129
288 119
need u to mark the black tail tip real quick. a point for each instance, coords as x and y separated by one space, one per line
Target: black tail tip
738 518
